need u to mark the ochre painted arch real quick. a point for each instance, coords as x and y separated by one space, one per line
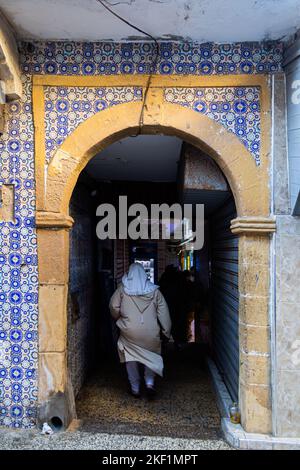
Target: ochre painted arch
248 182
250 186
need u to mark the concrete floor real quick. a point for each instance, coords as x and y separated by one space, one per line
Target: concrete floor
77 440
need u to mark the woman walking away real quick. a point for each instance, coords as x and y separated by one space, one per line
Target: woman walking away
141 314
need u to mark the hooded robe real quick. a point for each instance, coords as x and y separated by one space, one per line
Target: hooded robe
141 313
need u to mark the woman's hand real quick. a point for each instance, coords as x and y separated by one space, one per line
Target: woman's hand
165 339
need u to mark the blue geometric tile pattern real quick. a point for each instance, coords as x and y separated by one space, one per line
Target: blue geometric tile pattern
73 58
18 268
67 107
236 108
18 254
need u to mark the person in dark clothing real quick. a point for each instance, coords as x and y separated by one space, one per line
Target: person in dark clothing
188 303
170 288
202 302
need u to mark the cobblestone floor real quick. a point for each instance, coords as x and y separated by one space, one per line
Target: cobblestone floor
185 406
184 415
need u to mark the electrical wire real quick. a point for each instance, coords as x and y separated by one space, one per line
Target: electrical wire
154 61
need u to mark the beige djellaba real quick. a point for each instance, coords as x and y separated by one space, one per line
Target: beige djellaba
140 319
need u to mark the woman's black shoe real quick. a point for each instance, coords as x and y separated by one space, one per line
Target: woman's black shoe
135 394
151 393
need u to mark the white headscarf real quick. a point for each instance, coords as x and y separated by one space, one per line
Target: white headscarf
135 282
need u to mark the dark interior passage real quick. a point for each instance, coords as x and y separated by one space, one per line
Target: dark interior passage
185 405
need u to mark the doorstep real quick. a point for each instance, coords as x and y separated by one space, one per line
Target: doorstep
238 438
234 433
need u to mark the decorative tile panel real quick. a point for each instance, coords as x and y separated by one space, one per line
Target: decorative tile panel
75 58
67 107
236 108
18 271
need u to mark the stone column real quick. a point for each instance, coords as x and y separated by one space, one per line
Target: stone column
55 393
254 324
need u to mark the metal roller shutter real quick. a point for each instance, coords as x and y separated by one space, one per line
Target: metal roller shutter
225 296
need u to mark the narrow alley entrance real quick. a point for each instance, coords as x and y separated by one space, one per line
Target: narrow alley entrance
153 170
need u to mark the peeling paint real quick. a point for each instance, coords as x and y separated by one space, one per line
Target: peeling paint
195 20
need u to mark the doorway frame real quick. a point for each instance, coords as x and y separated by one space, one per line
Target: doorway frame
250 185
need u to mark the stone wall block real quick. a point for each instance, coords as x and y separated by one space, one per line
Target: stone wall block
254 369
254 338
253 310
53 254
53 319
52 374
255 405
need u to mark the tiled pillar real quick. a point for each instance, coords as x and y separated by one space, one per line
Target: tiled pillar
55 394
254 324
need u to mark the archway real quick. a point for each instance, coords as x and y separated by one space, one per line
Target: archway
249 185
